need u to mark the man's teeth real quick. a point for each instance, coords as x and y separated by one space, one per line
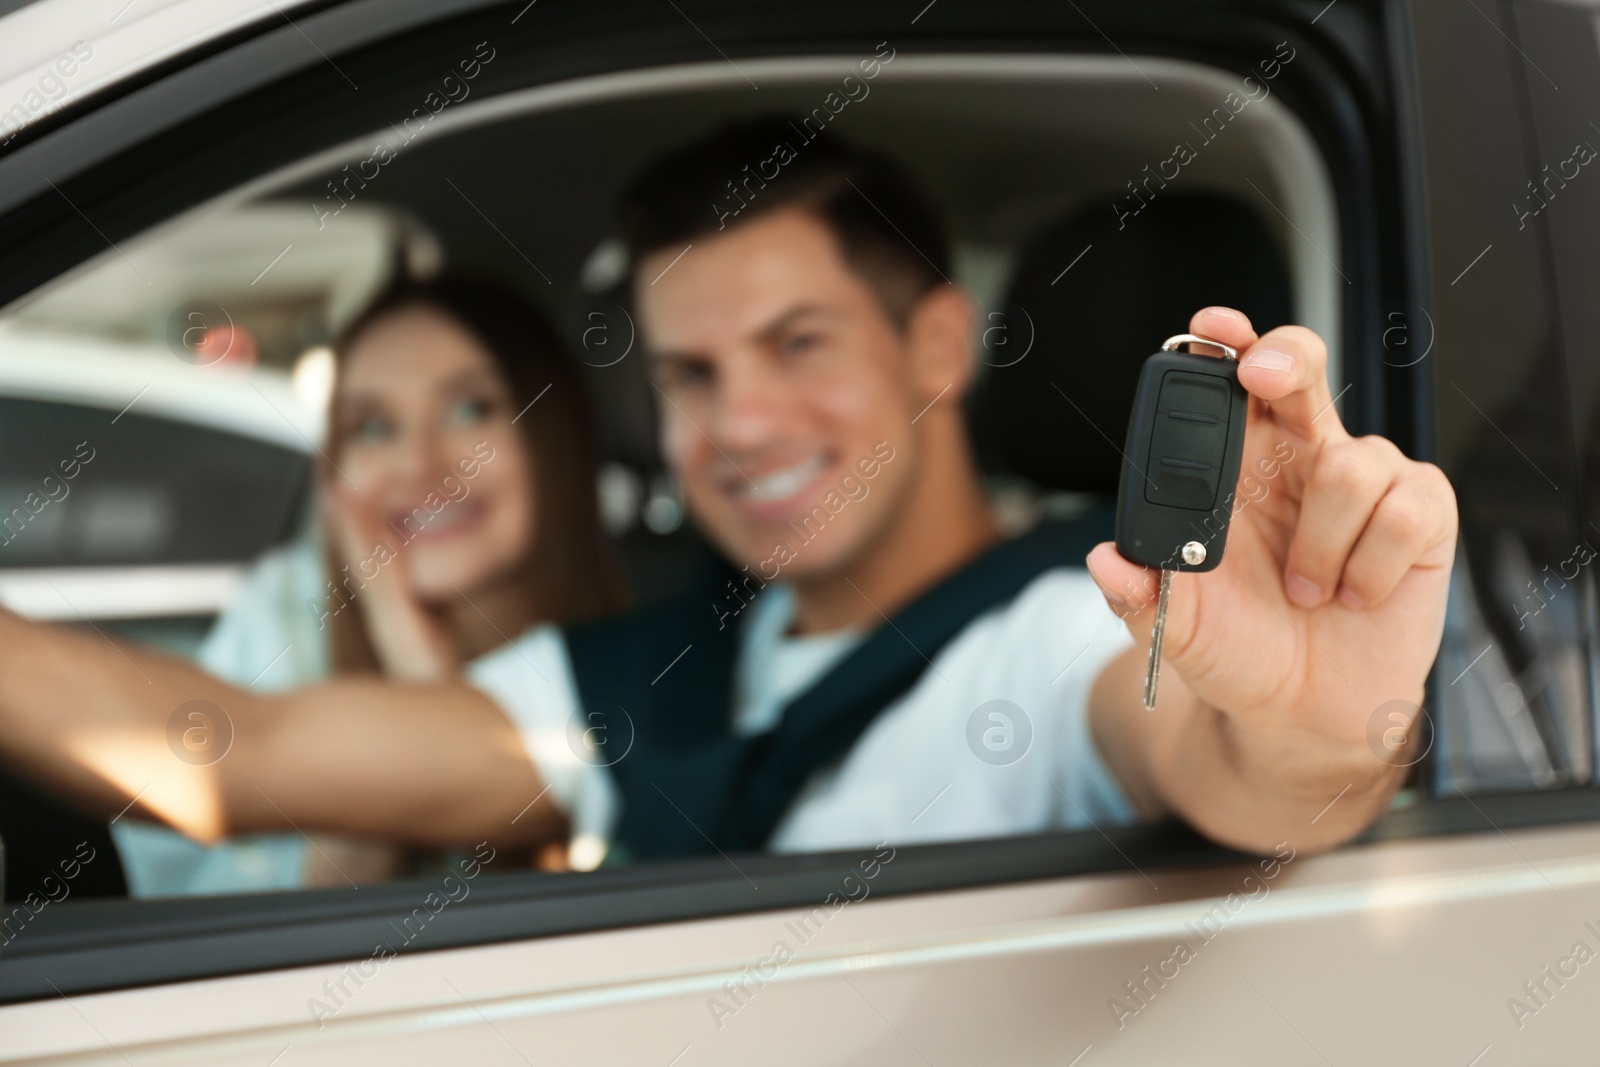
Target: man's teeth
780 485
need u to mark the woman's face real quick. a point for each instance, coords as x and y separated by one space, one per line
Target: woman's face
428 459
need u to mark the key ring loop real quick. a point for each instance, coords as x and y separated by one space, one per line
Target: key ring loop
1171 344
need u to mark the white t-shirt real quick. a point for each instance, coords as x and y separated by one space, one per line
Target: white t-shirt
992 740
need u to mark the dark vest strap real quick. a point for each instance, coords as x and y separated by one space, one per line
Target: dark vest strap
689 785
665 678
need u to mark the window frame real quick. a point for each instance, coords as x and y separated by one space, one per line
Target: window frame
138 154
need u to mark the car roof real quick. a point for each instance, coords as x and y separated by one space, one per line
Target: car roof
123 37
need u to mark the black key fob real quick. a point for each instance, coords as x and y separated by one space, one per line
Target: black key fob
1185 443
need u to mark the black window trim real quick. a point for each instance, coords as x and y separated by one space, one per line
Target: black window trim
103 945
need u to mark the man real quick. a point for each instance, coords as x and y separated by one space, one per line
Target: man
809 357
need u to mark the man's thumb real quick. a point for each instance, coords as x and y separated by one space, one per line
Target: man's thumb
1129 589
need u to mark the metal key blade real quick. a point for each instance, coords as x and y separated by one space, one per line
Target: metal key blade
1153 675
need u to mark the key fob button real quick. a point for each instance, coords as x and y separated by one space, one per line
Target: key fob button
1180 483
1189 441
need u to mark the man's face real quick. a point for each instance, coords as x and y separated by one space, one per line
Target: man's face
783 387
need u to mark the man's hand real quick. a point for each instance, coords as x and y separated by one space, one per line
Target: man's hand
1328 606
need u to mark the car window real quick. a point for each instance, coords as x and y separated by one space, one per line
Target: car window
1059 175
234 306
1514 708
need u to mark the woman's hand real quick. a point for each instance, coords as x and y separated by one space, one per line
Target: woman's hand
411 643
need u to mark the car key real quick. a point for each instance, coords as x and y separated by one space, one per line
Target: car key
1184 447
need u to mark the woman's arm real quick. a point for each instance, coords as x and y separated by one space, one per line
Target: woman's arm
100 723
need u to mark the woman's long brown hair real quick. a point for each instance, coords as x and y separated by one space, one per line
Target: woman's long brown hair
570 574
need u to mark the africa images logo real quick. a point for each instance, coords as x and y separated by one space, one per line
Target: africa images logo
999 732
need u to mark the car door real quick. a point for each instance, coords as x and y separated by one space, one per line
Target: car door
1457 929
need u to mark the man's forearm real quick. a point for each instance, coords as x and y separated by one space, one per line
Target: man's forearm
1250 791
1247 789
89 719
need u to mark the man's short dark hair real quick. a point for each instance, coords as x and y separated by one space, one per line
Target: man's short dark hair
887 229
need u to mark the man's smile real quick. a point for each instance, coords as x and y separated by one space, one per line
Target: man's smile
772 494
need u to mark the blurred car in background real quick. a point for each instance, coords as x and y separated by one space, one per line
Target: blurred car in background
201 423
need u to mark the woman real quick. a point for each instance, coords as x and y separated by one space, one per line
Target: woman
458 501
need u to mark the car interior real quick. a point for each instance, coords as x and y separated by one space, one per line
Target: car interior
1081 262
1027 179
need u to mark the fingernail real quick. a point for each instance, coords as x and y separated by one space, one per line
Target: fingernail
1302 590
1350 600
1267 359
1228 312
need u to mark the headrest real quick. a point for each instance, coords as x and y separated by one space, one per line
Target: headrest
1058 416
